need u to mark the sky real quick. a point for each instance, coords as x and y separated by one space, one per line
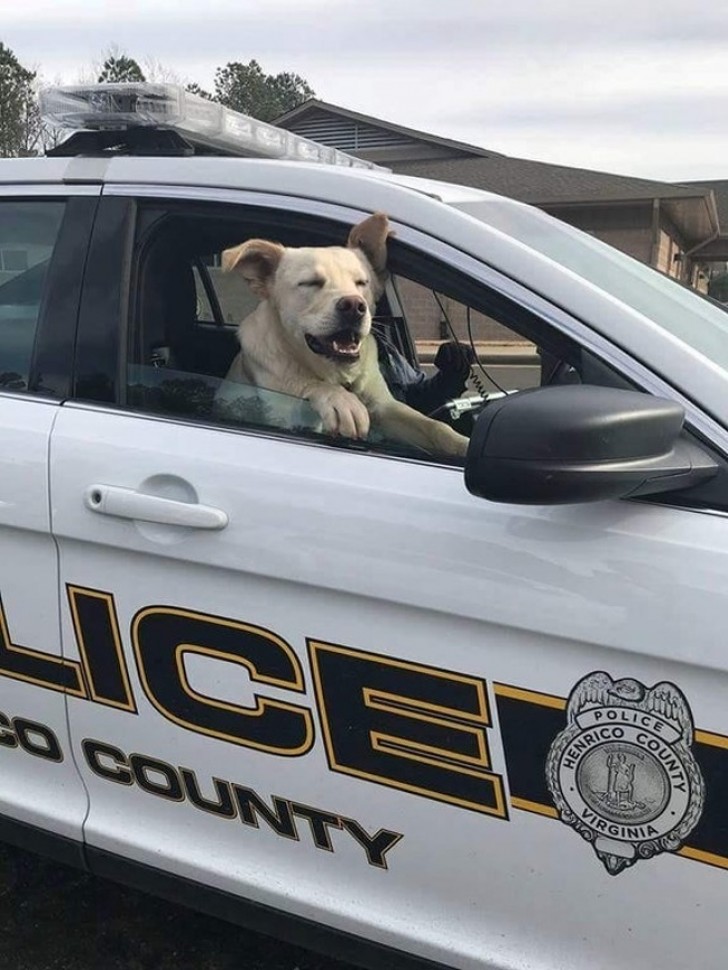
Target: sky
636 87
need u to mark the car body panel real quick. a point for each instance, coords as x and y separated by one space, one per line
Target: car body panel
527 599
40 784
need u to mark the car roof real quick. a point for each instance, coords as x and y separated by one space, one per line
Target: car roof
424 204
228 172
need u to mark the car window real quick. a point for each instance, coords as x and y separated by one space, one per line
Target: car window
503 357
700 323
444 343
28 233
165 390
231 292
204 308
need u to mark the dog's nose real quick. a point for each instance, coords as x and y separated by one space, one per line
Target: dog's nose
352 308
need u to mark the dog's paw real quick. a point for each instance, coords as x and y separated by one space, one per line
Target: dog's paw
341 411
449 442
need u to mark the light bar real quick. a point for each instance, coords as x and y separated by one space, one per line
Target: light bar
116 107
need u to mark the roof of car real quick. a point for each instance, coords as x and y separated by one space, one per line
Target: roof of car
242 173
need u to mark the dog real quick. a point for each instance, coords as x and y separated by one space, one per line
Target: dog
310 336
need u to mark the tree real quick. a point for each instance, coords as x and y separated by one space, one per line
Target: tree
194 88
247 88
119 67
19 120
159 73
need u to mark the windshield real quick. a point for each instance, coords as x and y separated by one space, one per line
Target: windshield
684 313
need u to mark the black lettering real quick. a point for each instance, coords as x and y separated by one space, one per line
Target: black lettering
376 846
279 818
145 769
37 739
407 726
36 667
319 822
162 636
222 805
7 735
94 751
96 627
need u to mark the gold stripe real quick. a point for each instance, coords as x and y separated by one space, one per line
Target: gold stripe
700 856
536 807
532 696
707 737
559 703
697 855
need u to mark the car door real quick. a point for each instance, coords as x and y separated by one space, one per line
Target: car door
331 682
43 241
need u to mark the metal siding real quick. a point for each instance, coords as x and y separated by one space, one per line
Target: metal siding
346 134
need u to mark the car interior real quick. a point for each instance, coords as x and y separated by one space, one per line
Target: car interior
183 333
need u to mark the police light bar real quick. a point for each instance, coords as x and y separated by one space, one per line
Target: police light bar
119 106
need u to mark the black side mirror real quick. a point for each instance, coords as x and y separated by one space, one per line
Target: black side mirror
580 443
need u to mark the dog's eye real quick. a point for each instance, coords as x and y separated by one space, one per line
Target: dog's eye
317 283
362 282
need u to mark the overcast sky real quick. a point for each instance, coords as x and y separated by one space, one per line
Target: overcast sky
638 87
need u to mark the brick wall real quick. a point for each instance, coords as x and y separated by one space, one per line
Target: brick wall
426 318
626 227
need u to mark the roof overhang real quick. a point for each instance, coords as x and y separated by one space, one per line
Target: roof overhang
694 214
714 251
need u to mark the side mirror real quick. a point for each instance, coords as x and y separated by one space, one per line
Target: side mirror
579 443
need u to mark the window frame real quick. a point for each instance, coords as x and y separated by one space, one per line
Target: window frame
126 196
154 218
210 294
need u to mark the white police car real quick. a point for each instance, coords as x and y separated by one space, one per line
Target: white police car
322 688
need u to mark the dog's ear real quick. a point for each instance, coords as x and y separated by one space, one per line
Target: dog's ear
371 237
257 260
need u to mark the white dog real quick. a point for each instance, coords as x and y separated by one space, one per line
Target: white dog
310 335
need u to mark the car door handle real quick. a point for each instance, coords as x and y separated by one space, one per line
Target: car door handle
126 503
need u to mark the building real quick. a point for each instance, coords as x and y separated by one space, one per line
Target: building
673 227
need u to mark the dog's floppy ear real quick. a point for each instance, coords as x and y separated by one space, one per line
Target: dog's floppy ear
371 237
257 260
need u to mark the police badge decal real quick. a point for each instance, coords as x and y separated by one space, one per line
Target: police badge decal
622 772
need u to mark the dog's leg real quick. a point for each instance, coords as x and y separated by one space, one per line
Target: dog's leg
341 411
399 421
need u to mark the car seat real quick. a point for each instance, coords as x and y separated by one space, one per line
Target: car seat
168 309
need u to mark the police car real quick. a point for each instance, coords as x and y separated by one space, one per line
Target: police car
348 694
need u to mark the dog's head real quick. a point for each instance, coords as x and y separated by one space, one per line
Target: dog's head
323 296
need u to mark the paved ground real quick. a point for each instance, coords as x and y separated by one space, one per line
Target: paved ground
55 918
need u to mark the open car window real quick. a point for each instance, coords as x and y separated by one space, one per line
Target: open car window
186 311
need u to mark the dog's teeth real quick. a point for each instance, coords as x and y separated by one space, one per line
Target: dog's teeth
344 348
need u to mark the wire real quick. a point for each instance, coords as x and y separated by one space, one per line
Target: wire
474 377
477 382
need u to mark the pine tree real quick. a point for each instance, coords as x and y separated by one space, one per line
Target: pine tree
19 121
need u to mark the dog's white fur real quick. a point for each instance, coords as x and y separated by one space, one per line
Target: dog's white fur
302 293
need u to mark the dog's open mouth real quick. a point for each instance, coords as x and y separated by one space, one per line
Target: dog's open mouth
342 345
